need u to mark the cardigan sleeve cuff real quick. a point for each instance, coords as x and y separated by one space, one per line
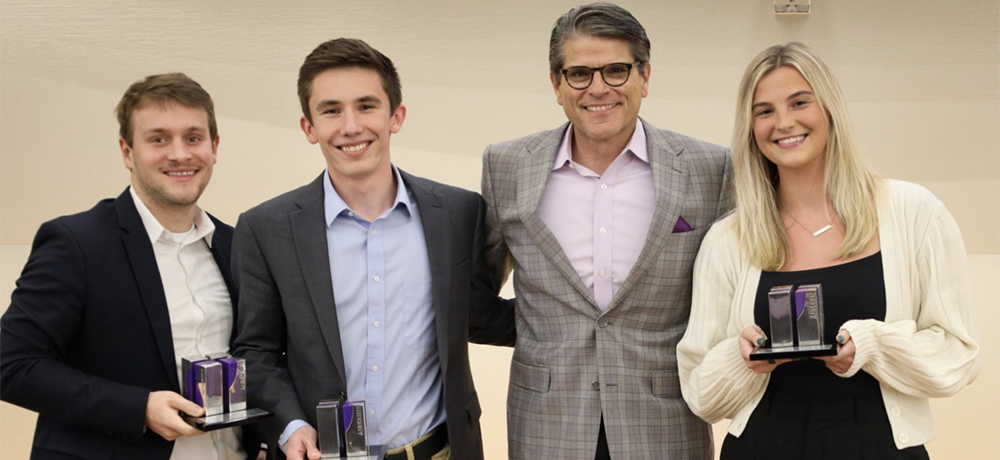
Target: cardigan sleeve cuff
726 384
729 364
864 334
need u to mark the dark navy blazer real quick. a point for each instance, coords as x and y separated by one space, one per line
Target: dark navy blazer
87 335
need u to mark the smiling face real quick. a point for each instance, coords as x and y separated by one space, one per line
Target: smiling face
789 126
171 156
352 123
601 114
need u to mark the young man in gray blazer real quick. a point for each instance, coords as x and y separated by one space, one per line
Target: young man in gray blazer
600 220
367 283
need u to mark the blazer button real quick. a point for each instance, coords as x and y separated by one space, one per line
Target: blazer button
602 323
595 385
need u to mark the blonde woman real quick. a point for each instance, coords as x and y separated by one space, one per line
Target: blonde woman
888 254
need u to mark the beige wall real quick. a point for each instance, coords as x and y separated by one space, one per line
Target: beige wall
922 78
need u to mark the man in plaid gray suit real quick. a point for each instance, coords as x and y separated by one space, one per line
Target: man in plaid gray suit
600 219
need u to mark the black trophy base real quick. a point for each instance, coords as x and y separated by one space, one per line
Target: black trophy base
807 351
374 453
218 422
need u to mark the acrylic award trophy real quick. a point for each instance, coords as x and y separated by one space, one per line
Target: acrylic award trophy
796 324
342 427
218 383
328 428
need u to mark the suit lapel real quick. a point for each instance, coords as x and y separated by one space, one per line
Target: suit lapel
533 175
221 251
434 219
147 278
670 185
309 235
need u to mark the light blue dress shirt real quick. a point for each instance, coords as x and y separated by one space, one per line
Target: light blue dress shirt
382 286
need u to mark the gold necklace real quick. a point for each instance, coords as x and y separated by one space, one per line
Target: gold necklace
828 226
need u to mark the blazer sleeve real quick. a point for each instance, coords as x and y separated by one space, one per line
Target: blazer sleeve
498 258
261 333
727 199
715 381
491 318
39 331
933 354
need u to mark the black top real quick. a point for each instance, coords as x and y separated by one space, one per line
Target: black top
854 290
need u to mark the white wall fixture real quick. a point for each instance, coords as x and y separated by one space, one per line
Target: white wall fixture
792 6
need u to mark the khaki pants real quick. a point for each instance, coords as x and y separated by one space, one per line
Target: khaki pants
443 454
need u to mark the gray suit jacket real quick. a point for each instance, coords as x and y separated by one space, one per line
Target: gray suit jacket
288 330
572 361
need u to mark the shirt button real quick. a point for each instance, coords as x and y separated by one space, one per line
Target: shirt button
595 385
903 438
375 368
603 230
374 232
376 278
349 213
602 323
601 273
376 323
371 412
894 410
604 186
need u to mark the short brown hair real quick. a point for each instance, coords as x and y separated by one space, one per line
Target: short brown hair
602 20
348 52
161 89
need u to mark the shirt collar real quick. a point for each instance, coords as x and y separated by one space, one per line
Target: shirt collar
334 205
636 145
204 227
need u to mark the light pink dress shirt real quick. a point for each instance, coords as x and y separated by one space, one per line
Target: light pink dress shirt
601 221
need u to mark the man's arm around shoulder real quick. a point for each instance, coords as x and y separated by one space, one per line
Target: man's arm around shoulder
491 318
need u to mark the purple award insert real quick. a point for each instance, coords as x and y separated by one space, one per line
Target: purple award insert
234 382
209 383
355 429
189 377
809 314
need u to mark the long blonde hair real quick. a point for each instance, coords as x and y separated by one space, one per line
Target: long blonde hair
852 188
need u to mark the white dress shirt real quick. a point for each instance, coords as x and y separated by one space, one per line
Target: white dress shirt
201 314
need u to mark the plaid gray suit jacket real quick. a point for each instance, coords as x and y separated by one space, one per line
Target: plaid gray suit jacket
572 361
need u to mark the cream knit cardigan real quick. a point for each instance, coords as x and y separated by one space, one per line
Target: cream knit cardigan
925 347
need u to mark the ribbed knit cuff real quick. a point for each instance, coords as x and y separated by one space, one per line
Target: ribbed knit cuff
865 335
733 383
740 373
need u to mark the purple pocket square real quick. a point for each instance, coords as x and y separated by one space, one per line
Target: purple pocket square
682 226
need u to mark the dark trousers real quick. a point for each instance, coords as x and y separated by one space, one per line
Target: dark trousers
602 444
808 426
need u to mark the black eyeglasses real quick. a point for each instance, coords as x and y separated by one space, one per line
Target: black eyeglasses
614 74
